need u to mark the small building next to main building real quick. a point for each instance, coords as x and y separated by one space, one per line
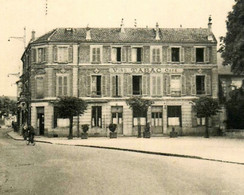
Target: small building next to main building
106 66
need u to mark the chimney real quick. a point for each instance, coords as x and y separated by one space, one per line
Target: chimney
135 24
33 37
122 29
210 37
157 32
210 24
88 33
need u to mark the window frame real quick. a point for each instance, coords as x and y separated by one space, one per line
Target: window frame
96 92
203 54
136 55
100 47
205 89
180 92
96 121
156 55
114 59
179 53
140 85
62 87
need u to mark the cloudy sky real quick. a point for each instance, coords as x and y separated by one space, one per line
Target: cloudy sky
17 14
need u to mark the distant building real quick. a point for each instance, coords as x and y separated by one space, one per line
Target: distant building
106 66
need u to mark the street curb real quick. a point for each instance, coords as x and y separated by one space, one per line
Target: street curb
139 151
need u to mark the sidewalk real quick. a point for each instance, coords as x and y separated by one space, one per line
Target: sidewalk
215 148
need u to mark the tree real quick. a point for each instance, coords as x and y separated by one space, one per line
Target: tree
68 107
139 107
7 106
206 107
232 45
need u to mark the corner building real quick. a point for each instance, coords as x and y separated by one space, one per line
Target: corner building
106 66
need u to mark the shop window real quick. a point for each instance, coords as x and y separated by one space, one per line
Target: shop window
96 116
137 54
138 115
200 84
199 54
201 121
174 115
175 54
137 85
62 85
96 85
175 85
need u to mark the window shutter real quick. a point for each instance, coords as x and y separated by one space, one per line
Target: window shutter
129 85
208 85
70 54
168 85
33 55
206 54
120 85
153 55
55 51
144 85
193 85
183 87
104 83
88 85
133 55
113 55
159 89
39 87
123 50
113 85
65 85
82 86
46 54
125 80
182 54
154 85
99 55
193 55
129 54
60 83
169 54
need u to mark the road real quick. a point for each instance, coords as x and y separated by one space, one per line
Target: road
58 169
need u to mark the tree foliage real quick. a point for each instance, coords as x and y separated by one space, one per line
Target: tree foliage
7 106
139 105
68 107
206 107
232 45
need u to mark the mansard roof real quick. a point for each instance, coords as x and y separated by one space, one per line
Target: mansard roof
130 35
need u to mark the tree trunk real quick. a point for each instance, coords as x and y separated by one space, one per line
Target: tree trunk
70 128
139 127
206 128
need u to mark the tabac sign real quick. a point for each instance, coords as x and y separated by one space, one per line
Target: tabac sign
146 70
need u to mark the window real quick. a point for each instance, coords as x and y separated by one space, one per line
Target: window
116 54
116 85
96 85
201 121
175 54
174 115
175 85
200 84
117 114
199 54
62 85
137 54
63 54
156 55
96 116
39 87
157 116
156 89
96 54
137 85
41 55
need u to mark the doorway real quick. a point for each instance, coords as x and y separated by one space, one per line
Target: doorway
40 120
117 118
157 119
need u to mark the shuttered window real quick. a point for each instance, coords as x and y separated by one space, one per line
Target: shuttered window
96 54
156 54
156 83
175 85
62 85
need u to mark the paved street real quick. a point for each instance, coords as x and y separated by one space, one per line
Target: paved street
63 169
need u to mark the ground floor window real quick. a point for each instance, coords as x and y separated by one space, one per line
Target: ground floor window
201 121
96 116
117 114
139 117
174 115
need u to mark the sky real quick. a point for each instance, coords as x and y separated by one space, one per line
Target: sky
45 15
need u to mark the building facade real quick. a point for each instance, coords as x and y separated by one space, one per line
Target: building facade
106 66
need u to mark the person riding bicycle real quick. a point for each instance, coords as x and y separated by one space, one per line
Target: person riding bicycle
31 133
